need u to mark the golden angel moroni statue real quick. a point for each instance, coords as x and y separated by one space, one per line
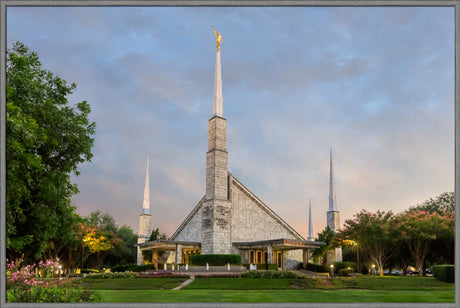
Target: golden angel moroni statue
219 38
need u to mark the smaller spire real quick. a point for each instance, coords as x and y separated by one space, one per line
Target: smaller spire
146 203
332 198
310 226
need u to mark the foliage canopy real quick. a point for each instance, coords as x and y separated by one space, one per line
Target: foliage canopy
46 140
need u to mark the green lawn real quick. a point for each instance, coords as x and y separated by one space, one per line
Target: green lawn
133 284
275 296
366 283
259 290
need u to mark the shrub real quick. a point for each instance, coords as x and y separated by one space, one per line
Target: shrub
112 275
315 268
121 267
133 268
49 295
24 284
162 274
345 271
216 260
272 267
342 265
268 274
444 272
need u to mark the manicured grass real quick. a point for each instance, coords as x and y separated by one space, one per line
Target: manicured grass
405 283
275 296
259 290
133 284
369 283
240 284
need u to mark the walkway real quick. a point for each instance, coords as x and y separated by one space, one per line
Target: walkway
185 283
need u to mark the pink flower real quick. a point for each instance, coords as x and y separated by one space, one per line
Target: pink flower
57 259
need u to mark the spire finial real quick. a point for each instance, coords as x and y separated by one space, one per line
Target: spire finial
218 38
146 203
217 101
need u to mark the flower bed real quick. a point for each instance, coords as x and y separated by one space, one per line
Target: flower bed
35 283
161 274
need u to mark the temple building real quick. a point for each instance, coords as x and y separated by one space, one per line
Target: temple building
229 218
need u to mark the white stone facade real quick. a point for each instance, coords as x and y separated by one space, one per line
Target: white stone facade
251 220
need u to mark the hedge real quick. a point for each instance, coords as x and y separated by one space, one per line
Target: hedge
216 260
444 272
115 275
268 274
342 265
345 271
263 266
132 268
315 268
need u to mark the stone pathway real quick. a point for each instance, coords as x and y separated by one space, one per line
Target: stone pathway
311 274
185 283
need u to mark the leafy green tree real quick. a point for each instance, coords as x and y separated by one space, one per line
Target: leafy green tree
46 140
101 237
100 243
66 247
130 240
374 233
154 236
419 230
102 221
127 253
327 236
442 204
401 257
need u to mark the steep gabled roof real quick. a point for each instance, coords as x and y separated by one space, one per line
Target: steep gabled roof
189 217
250 195
266 209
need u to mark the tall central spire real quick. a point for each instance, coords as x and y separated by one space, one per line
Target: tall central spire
217 100
146 203
217 208
332 199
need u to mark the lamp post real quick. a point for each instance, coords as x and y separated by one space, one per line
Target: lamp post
59 267
332 270
373 269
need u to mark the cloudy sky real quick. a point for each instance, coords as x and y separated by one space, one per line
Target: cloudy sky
374 84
